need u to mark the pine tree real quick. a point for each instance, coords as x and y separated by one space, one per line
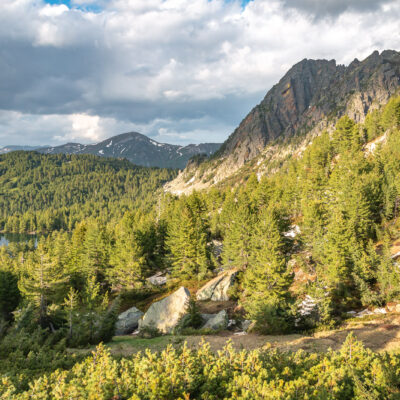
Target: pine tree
388 274
128 266
70 306
96 256
237 240
335 261
43 282
267 280
187 239
10 295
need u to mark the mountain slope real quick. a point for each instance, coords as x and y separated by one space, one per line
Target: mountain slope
309 98
138 149
9 149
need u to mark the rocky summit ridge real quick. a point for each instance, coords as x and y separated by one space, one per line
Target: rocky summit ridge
309 98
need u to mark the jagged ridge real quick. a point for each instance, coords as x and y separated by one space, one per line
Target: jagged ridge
311 96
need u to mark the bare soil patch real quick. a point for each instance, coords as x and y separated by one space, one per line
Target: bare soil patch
378 333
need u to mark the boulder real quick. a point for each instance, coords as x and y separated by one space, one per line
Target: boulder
246 325
159 279
206 317
128 321
218 321
391 306
217 288
166 313
307 306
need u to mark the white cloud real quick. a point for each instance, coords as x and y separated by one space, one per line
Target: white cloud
193 68
53 10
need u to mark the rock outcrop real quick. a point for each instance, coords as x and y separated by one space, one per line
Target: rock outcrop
218 321
166 313
128 321
159 279
217 288
308 99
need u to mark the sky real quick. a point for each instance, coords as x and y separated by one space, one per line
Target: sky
179 71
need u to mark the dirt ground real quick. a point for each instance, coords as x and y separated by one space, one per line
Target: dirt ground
379 333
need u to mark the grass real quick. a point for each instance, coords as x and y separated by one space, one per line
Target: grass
128 345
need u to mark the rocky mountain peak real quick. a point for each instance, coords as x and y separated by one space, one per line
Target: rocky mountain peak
310 90
310 96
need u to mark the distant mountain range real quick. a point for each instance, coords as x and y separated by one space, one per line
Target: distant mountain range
8 149
135 147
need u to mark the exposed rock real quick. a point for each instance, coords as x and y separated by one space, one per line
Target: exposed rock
159 279
396 255
218 321
207 317
352 313
166 313
246 324
307 306
307 100
372 146
217 288
293 232
128 321
231 324
217 247
391 306
398 308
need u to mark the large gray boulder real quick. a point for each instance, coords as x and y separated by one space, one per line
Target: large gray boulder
218 321
217 288
166 313
128 321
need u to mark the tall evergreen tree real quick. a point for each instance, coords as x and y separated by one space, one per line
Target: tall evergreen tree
43 281
238 234
187 239
128 267
267 279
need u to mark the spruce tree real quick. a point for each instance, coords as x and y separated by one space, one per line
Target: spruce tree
10 295
128 267
388 274
237 240
267 279
187 239
43 282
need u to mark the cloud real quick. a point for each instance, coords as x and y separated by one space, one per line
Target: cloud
55 129
334 8
177 70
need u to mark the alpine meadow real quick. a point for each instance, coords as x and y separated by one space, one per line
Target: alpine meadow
234 250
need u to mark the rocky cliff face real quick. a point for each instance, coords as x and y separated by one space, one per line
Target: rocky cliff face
311 96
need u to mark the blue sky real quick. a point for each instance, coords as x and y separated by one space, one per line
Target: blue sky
89 7
93 6
179 71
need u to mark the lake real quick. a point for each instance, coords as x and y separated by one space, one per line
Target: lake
6 238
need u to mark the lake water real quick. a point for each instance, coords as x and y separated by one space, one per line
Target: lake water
6 238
